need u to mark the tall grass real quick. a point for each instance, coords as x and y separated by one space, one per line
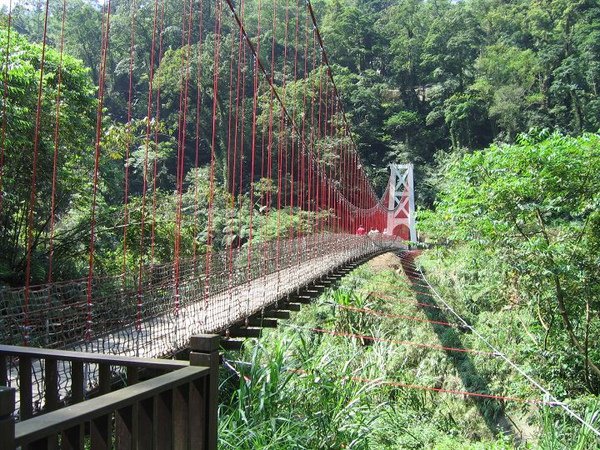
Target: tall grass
560 432
273 406
292 389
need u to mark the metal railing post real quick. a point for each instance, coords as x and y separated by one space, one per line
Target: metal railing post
204 351
7 420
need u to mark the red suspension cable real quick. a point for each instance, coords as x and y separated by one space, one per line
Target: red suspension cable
433 389
56 145
97 150
373 312
209 250
5 101
397 342
129 142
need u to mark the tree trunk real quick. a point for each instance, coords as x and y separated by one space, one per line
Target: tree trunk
560 298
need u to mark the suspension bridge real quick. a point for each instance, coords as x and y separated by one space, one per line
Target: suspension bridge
284 197
221 178
265 192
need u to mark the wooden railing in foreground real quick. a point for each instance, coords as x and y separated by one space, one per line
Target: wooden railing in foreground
174 410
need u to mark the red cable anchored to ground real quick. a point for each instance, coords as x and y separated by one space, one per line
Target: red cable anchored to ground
433 389
410 257
413 291
392 341
381 382
373 312
410 302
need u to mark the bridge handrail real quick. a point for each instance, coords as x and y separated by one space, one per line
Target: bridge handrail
176 408
90 358
41 427
55 367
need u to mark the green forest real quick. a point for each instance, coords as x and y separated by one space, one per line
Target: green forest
495 102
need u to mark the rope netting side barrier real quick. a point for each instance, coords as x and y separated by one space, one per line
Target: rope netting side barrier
199 169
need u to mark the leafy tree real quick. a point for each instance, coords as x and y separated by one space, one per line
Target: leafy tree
351 36
507 80
533 208
74 150
464 113
405 26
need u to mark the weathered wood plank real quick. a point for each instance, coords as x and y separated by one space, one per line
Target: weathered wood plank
262 322
146 426
133 375
3 370
197 413
278 314
25 388
7 421
97 358
245 332
210 399
77 381
164 420
101 432
124 428
304 299
51 381
73 438
181 427
104 378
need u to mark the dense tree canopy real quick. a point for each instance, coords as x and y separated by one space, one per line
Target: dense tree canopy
61 161
425 76
417 76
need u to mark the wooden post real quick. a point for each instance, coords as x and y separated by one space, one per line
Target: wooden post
7 421
180 418
204 351
124 428
3 370
104 378
25 388
52 397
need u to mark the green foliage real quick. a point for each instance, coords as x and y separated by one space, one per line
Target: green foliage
293 388
76 122
463 114
508 81
273 407
351 36
527 212
463 74
348 320
416 76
